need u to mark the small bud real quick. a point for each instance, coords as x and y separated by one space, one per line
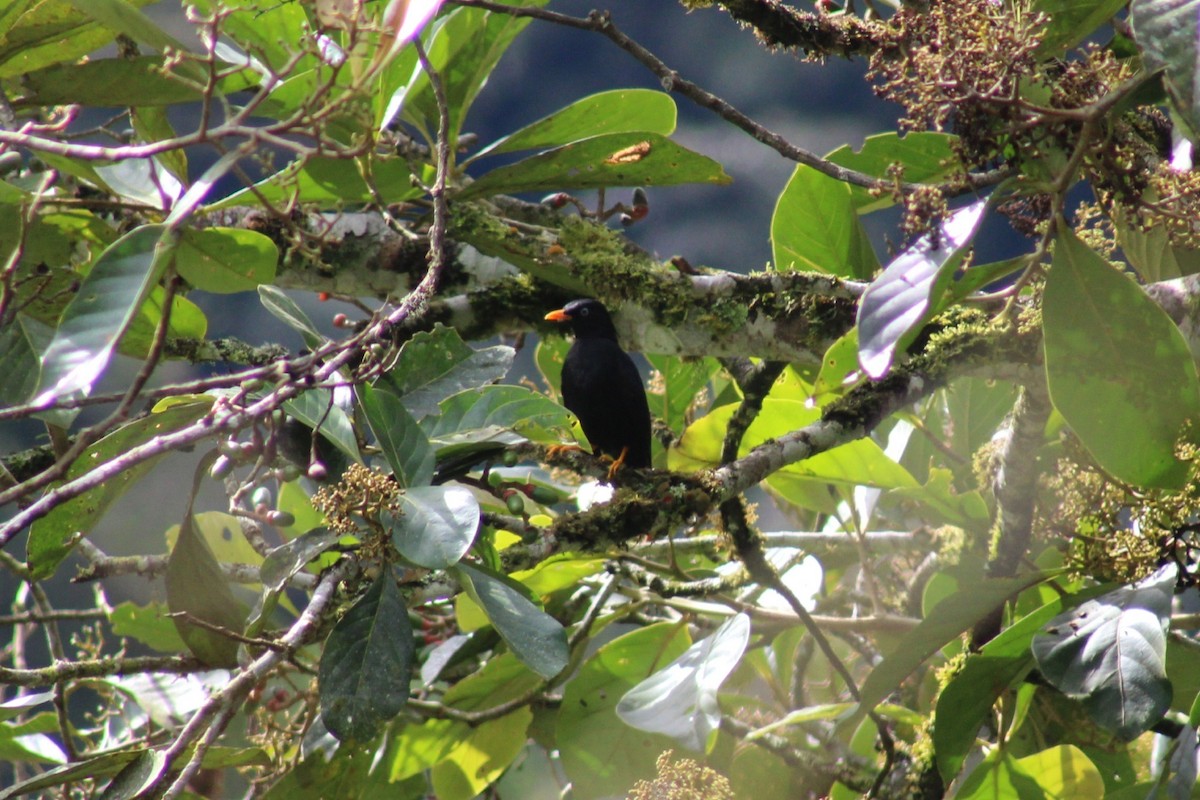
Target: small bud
341 321
515 502
261 496
281 519
221 467
556 200
317 471
495 479
510 458
323 296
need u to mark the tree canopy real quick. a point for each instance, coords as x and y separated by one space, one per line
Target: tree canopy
920 523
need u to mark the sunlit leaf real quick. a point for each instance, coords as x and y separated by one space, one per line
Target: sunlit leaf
615 159
1118 368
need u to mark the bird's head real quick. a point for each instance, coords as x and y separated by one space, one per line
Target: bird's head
587 318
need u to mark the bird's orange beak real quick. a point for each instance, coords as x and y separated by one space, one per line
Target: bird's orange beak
558 316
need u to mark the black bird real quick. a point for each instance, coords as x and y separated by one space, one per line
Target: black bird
601 385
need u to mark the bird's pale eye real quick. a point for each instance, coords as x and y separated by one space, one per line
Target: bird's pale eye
583 312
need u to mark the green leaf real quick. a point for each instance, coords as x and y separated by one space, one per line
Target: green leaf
815 228
290 557
19 364
680 700
149 625
682 381
1062 772
925 156
34 35
615 111
615 159
330 183
839 363
480 757
284 309
1069 22
108 300
1110 653
948 620
1119 370
463 48
508 414
92 768
316 409
1166 33
436 364
587 724
226 260
968 698
857 463
187 322
136 776
436 525
535 637
367 664
398 435
136 82
52 537
898 302
197 589
1151 252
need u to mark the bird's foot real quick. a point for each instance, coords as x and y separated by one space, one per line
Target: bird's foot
555 450
617 464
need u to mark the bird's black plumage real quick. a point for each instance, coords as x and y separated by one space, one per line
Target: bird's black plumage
601 384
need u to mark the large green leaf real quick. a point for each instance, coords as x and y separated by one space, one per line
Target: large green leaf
1062 772
615 111
226 260
815 227
52 537
436 526
19 365
1118 368
682 382
587 725
968 698
1166 32
535 637
404 444
506 414
367 664
615 159
108 300
329 182
138 81
1110 653
316 409
925 156
149 625
900 300
36 34
857 463
199 596
436 364
1069 22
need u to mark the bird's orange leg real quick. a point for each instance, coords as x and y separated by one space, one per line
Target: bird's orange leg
618 463
558 449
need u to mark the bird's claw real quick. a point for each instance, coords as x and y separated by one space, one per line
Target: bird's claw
555 450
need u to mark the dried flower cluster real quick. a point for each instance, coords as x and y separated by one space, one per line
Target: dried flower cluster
684 779
358 499
958 66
